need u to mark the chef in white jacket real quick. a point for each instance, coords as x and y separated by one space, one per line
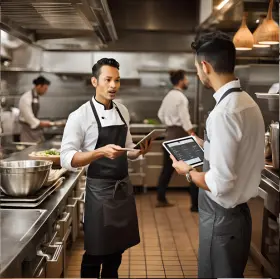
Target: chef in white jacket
29 105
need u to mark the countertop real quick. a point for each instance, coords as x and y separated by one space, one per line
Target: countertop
16 247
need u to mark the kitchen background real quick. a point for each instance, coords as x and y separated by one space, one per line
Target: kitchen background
63 39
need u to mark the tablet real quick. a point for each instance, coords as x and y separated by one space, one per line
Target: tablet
151 136
185 149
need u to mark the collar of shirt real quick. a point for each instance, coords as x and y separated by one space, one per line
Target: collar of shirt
232 84
35 93
100 105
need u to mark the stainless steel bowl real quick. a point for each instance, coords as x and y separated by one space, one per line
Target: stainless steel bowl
23 178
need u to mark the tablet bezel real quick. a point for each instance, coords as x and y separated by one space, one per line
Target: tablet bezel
164 144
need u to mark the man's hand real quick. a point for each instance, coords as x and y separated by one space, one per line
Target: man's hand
144 149
199 141
181 167
112 151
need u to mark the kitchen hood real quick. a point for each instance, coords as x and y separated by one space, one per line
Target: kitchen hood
34 20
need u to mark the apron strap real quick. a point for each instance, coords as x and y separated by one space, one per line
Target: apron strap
95 115
236 89
122 118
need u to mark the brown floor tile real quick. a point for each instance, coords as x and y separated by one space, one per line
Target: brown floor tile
171 263
189 268
156 273
138 273
152 253
135 262
170 258
138 267
154 267
154 262
173 273
173 267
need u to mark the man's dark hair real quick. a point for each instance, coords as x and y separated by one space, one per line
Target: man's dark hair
104 62
217 49
41 81
176 76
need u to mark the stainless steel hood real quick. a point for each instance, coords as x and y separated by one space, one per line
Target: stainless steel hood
228 19
34 20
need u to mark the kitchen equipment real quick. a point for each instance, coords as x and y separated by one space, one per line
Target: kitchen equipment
31 201
267 149
274 139
23 178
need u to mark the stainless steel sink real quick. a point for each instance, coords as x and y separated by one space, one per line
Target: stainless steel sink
16 224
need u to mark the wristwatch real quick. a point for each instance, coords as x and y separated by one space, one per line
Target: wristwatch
188 176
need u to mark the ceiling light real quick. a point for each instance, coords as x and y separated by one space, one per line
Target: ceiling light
243 39
268 33
257 21
222 4
255 35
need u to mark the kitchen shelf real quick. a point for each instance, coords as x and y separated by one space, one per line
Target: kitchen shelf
267 96
158 70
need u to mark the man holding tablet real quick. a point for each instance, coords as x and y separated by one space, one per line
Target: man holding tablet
174 113
95 136
233 161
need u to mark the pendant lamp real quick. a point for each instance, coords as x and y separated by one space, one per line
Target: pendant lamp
268 33
243 39
255 35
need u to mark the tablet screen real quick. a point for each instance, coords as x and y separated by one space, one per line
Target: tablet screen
186 149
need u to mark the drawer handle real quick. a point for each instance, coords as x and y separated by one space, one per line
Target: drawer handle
80 198
42 254
65 218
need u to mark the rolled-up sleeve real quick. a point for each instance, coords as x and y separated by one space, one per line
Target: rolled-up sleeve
25 107
183 110
226 133
71 141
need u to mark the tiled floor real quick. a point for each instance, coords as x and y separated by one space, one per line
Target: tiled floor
169 243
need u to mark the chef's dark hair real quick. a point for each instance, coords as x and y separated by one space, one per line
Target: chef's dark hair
41 81
104 62
176 76
217 49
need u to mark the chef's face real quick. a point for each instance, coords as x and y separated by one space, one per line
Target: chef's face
108 83
202 73
42 89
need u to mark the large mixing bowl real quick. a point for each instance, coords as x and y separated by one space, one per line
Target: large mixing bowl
23 178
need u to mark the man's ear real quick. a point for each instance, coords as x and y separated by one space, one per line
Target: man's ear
206 67
94 81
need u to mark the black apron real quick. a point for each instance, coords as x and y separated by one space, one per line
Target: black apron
110 220
224 233
32 135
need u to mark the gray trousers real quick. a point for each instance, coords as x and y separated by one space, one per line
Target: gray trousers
224 239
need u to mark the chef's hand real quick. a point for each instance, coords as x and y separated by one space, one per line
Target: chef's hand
181 167
199 140
112 151
144 149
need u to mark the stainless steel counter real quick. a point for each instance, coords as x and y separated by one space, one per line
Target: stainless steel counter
22 230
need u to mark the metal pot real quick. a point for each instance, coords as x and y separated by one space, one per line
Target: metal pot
274 139
23 178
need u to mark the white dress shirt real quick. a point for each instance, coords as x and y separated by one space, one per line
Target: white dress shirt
235 128
81 130
26 113
174 110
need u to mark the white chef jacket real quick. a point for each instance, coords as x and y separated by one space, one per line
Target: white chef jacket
81 130
174 110
26 113
235 128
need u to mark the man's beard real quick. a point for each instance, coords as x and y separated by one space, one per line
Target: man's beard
185 87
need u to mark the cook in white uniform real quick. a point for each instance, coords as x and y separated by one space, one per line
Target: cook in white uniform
93 136
29 105
174 113
233 161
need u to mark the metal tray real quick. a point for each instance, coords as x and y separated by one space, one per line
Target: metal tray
30 202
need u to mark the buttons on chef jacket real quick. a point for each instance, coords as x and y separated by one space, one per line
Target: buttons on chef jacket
102 117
